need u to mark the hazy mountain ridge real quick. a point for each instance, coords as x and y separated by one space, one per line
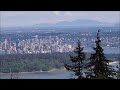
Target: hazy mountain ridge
80 23
64 25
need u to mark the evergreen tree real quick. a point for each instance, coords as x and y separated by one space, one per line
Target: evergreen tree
118 72
77 61
119 67
99 67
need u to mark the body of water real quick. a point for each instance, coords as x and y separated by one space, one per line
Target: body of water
39 75
42 75
106 50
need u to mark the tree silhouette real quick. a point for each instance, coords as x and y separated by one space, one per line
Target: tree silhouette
77 61
118 73
98 66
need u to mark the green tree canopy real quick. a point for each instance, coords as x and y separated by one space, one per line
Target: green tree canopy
77 61
99 67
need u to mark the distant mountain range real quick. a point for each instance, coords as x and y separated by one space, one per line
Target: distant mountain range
117 25
66 24
75 23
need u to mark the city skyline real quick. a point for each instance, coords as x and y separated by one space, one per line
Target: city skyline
27 18
27 43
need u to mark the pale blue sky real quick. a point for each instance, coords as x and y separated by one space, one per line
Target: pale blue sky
26 18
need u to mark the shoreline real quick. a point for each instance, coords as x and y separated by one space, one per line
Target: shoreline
52 70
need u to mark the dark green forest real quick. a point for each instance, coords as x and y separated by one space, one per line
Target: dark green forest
37 62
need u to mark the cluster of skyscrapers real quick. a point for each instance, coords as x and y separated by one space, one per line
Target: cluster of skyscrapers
35 45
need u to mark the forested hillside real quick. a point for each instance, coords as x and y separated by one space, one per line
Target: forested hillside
37 62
